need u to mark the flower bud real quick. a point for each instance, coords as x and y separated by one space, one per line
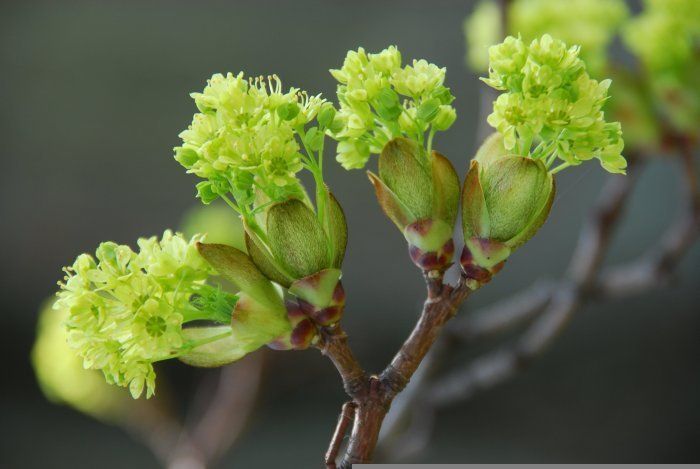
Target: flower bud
505 200
326 115
446 116
420 194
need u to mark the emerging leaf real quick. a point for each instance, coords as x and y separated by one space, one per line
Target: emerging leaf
390 203
265 262
216 353
405 170
338 231
238 268
446 189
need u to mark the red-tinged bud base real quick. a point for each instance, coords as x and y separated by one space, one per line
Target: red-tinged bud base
303 332
476 275
330 314
439 260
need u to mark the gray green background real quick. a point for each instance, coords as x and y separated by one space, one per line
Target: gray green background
92 97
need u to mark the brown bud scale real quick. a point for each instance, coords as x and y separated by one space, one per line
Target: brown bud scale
329 315
439 260
475 274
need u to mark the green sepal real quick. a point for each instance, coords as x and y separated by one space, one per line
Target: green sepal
390 203
337 231
487 253
235 266
186 156
518 193
446 189
296 238
406 171
428 235
317 289
475 215
206 192
264 261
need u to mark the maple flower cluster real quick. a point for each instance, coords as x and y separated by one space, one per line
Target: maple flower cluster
551 102
126 309
380 100
245 138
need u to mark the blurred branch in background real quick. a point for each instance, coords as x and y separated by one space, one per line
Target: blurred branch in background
228 403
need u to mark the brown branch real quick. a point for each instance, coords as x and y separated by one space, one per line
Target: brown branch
347 415
406 426
333 343
435 314
373 404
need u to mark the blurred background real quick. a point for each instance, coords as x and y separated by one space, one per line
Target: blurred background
93 96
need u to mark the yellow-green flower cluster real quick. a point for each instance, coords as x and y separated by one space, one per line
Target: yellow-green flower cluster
381 100
245 137
550 101
589 23
666 39
126 309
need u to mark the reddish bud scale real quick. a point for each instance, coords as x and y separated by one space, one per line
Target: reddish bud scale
439 260
475 274
329 315
303 330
